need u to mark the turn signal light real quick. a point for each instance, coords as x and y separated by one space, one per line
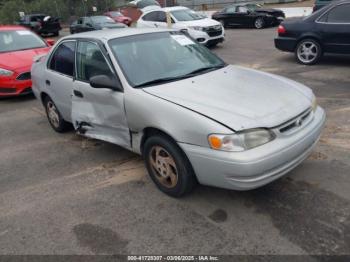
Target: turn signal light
281 30
215 142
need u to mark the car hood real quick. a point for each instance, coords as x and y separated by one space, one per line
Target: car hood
205 22
238 97
20 60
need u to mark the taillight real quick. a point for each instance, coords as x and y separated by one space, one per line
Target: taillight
281 30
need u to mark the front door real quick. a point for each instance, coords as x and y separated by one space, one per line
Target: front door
97 113
335 28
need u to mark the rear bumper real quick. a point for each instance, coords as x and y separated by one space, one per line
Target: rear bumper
285 44
259 166
15 87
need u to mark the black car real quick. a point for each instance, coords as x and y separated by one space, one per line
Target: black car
249 15
41 24
325 31
91 23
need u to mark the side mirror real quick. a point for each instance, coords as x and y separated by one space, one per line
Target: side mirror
50 42
108 82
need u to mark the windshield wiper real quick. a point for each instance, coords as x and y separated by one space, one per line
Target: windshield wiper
170 79
161 81
205 69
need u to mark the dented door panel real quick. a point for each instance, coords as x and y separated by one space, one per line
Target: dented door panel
100 114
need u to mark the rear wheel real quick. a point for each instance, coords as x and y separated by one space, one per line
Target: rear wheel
56 33
308 52
259 23
53 115
168 166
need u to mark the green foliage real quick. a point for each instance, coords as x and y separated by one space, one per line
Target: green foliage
9 9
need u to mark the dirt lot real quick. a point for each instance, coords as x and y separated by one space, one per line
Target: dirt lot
63 194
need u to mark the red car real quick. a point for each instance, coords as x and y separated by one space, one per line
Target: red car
119 17
18 47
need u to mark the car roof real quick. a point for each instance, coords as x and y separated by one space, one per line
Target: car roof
12 28
174 8
106 35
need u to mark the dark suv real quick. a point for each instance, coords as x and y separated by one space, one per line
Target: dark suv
325 31
41 24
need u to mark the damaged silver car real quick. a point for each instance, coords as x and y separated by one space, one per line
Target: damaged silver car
192 117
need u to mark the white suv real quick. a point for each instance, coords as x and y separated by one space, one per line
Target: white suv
205 30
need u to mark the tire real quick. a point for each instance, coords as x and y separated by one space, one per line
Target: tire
259 23
54 117
56 33
308 51
168 166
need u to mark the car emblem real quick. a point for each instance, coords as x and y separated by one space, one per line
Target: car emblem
299 122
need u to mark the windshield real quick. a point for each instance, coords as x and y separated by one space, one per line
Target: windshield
186 15
19 40
102 19
161 56
143 3
115 14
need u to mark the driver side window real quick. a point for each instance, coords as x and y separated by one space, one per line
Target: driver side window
242 9
91 62
231 10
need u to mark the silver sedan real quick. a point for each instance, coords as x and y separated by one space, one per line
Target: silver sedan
192 117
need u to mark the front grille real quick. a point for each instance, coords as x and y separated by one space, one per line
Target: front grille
213 30
295 122
24 76
27 90
6 90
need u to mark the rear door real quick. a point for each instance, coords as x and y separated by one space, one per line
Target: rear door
59 76
97 113
335 29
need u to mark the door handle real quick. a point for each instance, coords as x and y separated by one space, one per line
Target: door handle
48 82
78 93
155 25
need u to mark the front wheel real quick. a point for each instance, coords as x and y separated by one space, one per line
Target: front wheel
168 166
308 52
259 23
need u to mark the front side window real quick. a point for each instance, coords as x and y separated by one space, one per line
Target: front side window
19 40
339 14
242 9
230 10
164 55
91 62
62 60
186 15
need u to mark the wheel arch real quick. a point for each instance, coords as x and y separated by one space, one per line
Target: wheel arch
148 132
43 96
309 36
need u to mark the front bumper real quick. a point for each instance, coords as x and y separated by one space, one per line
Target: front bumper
259 166
13 87
203 37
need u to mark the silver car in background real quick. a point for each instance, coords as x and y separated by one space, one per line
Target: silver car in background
190 115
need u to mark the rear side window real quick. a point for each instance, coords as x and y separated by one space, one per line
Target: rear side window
153 16
62 60
339 14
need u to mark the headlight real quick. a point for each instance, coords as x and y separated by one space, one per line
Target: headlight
4 72
198 28
314 104
240 141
